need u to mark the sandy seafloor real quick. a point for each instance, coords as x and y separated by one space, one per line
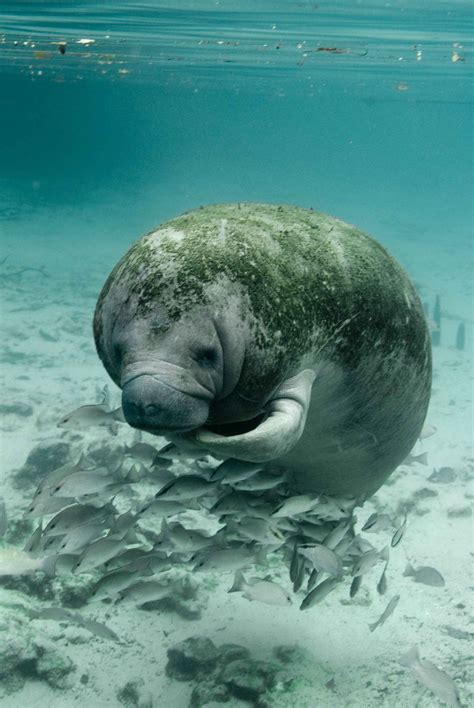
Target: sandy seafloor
48 361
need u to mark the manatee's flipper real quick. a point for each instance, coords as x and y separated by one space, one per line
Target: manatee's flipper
279 431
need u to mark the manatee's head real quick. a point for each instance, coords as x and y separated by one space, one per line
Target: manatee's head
170 366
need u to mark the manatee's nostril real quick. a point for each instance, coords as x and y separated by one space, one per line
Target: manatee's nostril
151 409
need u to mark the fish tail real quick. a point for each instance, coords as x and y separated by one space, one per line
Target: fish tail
411 657
239 582
48 565
408 570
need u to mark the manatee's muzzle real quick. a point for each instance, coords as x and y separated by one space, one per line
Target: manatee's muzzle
150 404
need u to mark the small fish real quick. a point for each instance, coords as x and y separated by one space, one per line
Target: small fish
334 538
427 431
332 509
315 532
111 584
45 505
99 630
295 563
185 487
434 679
256 530
319 593
259 482
58 614
99 552
377 522
367 561
93 416
299 504
399 533
143 452
160 508
382 584
229 559
146 591
77 539
3 518
426 575
386 613
355 585
232 471
300 574
74 516
421 459
79 484
324 559
232 504
57 475
33 544
14 561
187 540
261 590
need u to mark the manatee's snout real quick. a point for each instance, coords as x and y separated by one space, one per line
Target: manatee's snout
154 406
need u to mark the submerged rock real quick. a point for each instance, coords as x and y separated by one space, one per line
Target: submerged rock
191 657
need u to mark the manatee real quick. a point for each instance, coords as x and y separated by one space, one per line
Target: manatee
270 334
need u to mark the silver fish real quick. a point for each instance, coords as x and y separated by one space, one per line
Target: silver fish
58 614
256 530
110 585
261 590
229 559
377 522
386 613
367 561
232 471
426 575
92 416
315 532
399 533
427 431
259 482
421 459
382 584
57 475
187 540
323 558
319 593
79 484
33 544
434 679
146 591
100 630
45 505
232 504
77 539
296 505
334 538
355 585
161 507
143 452
14 561
329 509
185 487
74 516
99 552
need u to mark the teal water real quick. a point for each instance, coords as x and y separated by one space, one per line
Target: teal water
363 110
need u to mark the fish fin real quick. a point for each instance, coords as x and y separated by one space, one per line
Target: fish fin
118 416
113 428
411 657
48 565
239 582
165 529
409 570
261 557
385 553
374 626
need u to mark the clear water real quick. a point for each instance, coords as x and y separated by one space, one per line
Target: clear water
363 110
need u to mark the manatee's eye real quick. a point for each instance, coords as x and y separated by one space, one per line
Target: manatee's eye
206 357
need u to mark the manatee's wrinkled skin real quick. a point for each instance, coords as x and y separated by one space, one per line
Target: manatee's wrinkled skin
209 314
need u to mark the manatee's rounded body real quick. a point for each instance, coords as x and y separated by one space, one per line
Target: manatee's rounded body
236 317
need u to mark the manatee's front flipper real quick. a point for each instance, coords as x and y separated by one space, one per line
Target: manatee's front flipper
279 431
